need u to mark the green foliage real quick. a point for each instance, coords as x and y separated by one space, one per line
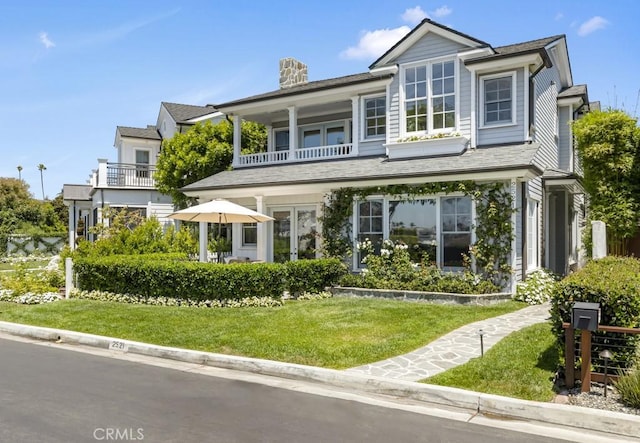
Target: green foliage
22 281
20 213
494 234
156 277
537 288
313 275
204 150
614 282
393 269
608 145
628 385
129 233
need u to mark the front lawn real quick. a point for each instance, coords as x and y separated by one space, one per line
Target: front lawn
334 333
521 365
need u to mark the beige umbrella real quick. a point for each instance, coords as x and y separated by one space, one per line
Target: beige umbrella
220 211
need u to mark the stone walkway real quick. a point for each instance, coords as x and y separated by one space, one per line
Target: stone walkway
455 348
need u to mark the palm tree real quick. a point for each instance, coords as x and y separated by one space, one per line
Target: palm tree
19 172
41 168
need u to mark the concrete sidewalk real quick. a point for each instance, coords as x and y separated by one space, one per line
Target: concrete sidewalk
454 348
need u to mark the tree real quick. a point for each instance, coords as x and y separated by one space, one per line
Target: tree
42 167
20 172
204 150
608 145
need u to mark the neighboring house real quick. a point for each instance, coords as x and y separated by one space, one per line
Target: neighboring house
129 181
438 107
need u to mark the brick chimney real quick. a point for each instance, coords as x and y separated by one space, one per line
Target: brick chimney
292 73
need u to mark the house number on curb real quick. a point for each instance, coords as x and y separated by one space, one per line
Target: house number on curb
116 345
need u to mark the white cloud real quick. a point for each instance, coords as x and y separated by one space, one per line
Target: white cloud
413 16
373 44
559 16
442 11
44 39
592 25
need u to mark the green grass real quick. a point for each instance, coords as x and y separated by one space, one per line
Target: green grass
335 333
521 365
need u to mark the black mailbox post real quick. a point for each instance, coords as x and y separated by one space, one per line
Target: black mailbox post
585 316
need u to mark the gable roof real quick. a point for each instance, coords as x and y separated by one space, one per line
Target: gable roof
573 91
523 48
419 31
373 168
314 86
150 132
182 113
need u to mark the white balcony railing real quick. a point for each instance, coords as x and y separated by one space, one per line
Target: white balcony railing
125 175
299 155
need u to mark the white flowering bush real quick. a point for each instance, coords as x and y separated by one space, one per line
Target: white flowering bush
392 263
28 298
264 302
537 288
314 295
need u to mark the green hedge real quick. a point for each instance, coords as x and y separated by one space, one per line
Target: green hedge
169 275
313 275
614 282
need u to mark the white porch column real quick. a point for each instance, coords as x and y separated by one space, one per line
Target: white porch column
355 123
270 146
474 135
261 229
102 172
72 226
237 140
203 230
293 131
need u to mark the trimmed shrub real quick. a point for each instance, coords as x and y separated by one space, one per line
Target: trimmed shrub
180 279
313 275
614 283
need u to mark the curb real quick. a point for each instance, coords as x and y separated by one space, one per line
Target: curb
485 404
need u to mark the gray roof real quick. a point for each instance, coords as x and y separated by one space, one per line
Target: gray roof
76 192
150 132
319 85
519 49
373 168
573 91
182 113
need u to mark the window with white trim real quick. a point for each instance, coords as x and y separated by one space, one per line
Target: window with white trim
498 99
439 227
430 97
532 234
249 234
375 117
281 140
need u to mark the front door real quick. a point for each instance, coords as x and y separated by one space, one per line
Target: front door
294 233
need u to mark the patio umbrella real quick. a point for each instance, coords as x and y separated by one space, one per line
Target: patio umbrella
220 211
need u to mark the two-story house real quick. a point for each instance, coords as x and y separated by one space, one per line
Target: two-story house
439 106
129 181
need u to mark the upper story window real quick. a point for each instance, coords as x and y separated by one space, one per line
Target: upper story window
430 97
498 99
282 140
375 121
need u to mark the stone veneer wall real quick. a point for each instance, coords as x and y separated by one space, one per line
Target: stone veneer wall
292 72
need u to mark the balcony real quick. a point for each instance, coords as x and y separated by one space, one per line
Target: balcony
331 152
125 175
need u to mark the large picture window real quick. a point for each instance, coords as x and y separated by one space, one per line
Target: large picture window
437 229
498 93
430 97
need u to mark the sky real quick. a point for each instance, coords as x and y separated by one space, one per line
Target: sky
73 70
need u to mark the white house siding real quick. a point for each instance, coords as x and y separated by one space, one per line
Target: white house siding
504 134
428 47
564 141
129 147
161 211
366 148
547 84
139 198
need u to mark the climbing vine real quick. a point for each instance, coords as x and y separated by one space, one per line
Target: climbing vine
494 233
